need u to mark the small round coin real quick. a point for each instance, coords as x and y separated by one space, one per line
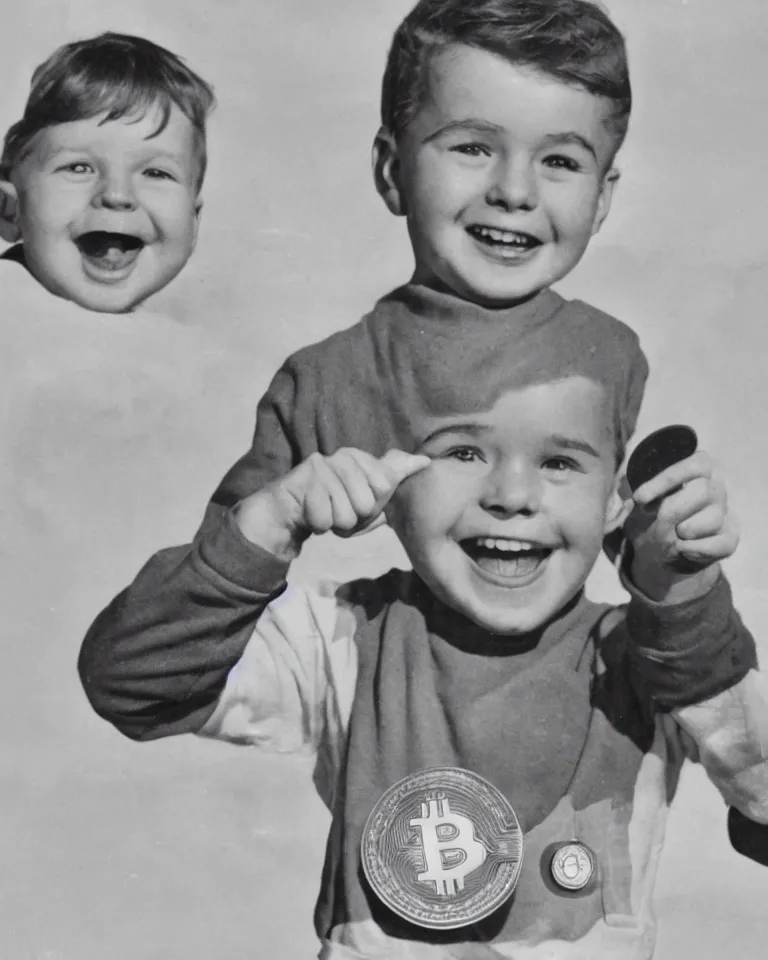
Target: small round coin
573 866
442 848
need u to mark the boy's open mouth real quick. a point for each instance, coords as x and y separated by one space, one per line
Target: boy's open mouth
514 241
514 559
109 251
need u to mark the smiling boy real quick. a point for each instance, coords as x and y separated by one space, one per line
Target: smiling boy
100 180
500 123
487 656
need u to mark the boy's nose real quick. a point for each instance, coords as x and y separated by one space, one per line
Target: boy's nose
513 186
115 192
512 490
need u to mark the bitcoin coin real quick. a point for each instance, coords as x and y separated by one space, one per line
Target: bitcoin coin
573 866
442 848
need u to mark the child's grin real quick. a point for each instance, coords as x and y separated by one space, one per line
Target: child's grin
514 561
507 245
108 257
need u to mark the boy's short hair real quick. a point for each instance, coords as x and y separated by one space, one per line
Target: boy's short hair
574 41
116 73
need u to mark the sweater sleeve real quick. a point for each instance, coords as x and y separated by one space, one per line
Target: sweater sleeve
156 659
698 664
684 653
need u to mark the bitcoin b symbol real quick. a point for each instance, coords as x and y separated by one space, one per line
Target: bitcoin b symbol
449 845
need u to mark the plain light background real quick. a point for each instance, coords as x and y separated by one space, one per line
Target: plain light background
185 849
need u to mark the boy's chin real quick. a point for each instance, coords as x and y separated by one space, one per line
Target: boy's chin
106 300
509 624
96 298
499 622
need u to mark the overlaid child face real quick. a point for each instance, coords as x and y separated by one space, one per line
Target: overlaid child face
506 523
503 174
108 211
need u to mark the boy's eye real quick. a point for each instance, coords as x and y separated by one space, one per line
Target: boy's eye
471 150
79 166
464 454
560 464
154 173
561 162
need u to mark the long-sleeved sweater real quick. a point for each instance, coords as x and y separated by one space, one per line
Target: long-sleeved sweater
583 725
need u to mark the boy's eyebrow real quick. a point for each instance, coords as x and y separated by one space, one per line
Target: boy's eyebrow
571 136
162 151
481 126
470 427
571 443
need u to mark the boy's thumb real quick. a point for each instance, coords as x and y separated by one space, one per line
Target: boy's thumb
402 465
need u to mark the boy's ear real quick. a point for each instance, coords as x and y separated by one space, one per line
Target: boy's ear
618 510
607 187
9 207
384 161
198 213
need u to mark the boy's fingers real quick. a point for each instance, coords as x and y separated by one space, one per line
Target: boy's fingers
706 523
710 549
386 475
685 471
695 497
328 504
318 512
356 482
378 478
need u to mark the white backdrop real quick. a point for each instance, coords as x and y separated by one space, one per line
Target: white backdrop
192 850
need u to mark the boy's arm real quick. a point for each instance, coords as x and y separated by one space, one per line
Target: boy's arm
690 651
156 659
148 663
695 663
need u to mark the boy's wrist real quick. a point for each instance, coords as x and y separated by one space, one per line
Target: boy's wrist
663 584
262 520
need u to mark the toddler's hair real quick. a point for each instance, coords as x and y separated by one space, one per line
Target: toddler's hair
116 73
572 40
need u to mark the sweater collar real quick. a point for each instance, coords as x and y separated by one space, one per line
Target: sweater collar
455 630
451 314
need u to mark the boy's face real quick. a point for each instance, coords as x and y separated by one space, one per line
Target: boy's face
503 174
506 523
108 212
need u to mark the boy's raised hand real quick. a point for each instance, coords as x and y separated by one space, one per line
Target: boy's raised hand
345 493
679 529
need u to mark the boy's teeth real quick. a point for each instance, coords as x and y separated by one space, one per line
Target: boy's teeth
504 236
506 557
110 251
494 543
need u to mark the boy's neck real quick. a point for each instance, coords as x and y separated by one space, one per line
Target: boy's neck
454 312
437 287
